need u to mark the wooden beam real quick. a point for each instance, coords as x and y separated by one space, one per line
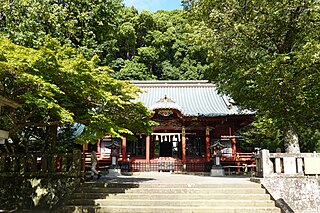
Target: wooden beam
6 102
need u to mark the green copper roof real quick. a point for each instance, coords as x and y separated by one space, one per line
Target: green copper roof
191 98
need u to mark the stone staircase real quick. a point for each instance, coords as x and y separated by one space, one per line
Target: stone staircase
168 197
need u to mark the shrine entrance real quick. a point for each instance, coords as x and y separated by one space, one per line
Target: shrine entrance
166 149
167 144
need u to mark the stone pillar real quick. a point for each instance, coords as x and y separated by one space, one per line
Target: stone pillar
124 149
148 149
76 157
277 165
266 164
299 166
184 145
207 158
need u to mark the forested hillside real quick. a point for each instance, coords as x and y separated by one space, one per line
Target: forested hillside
135 45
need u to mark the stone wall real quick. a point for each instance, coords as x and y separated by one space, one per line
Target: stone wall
294 194
18 192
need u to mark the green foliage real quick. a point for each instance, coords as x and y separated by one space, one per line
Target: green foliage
134 70
262 133
265 54
166 50
56 85
158 42
310 140
265 134
89 25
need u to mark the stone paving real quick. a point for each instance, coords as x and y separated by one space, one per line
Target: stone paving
166 177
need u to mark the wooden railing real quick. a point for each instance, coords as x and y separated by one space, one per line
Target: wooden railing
164 166
285 164
40 164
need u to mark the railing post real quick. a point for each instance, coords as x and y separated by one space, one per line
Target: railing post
64 163
278 165
300 166
83 164
2 162
266 164
44 163
76 159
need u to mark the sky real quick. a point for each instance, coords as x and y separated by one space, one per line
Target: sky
154 5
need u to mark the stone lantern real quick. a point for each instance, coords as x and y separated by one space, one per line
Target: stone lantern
216 153
114 146
114 169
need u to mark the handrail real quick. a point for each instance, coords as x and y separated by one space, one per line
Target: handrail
287 164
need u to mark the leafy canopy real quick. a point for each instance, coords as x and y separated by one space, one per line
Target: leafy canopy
56 85
138 46
265 54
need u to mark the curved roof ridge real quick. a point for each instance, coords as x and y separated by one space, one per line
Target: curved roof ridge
166 83
166 103
170 82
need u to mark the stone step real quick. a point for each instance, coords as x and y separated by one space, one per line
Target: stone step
171 196
171 209
177 203
173 190
167 185
121 195
197 190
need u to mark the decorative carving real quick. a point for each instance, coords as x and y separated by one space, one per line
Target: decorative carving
165 99
173 123
165 113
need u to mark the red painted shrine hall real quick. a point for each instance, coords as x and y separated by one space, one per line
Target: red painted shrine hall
192 117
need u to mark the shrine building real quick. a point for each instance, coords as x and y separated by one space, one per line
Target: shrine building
192 116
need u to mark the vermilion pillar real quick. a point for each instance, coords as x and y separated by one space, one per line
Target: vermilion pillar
148 149
184 147
234 146
124 149
207 158
99 147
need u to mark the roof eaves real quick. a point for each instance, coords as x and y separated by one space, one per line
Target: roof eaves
198 83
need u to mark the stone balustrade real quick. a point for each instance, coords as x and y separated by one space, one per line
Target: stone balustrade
37 180
41 164
285 164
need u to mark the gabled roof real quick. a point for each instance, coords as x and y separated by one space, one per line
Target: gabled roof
191 98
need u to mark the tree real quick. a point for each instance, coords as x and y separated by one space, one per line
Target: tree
110 30
161 45
265 54
89 25
57 86
127 39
